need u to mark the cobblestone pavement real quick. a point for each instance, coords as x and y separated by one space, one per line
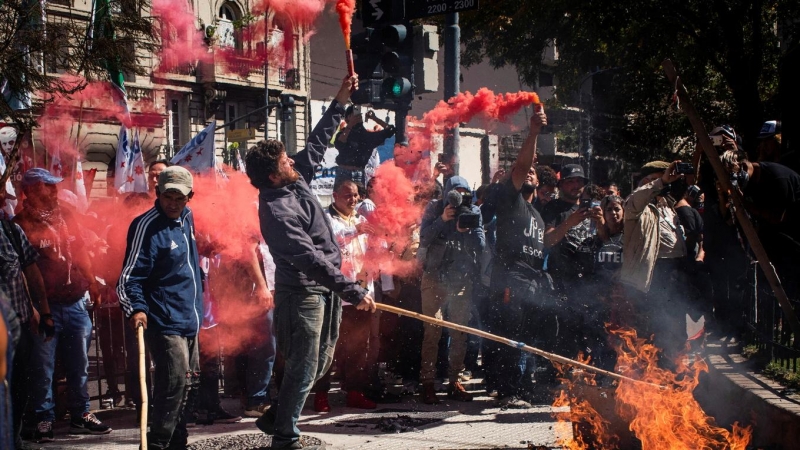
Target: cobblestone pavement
480 424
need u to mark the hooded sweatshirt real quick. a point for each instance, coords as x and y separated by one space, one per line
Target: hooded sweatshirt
449 251
294 225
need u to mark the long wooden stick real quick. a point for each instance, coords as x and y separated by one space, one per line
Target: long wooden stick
142 387
722 175
493 337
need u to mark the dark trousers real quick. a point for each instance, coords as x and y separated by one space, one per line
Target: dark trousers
352 352
521 308
401 336
20 376
176 374
306 328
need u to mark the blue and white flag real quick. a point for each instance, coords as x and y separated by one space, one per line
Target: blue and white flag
130 173
198 155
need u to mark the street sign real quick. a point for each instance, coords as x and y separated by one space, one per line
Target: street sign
378 12
241 135
414 9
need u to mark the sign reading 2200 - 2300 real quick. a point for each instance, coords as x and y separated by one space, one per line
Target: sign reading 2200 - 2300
424 8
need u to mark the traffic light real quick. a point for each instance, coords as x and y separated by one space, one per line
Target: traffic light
397 62
384 64
287 107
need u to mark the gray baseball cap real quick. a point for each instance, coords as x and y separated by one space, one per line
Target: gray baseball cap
177 178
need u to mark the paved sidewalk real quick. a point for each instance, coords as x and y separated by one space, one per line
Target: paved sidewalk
480 424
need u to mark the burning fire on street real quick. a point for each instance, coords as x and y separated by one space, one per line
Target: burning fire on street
660 412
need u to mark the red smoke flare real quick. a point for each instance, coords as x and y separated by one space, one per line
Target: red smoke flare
181 41
395 217
346 8
464 107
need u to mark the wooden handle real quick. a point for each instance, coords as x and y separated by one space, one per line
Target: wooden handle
493 337
739 211
142 387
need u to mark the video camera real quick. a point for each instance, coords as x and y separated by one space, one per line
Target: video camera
462 203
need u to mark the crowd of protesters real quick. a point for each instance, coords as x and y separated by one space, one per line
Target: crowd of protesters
539 256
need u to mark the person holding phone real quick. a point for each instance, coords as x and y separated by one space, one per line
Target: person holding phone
356 144
654 270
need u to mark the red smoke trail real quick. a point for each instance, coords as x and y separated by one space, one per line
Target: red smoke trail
226 215
181 42
346 8
464 107
394 219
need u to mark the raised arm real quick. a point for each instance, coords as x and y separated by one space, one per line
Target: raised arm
527 153
309 158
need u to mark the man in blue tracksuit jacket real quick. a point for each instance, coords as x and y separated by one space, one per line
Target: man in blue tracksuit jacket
308 263
161 289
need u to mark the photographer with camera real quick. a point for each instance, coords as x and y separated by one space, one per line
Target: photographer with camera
452 238
356 145
654 264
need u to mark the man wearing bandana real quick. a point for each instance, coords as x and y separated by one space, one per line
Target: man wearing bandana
68 275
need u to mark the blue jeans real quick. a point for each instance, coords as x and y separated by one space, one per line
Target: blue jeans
306 329
73 333
177 374
260 359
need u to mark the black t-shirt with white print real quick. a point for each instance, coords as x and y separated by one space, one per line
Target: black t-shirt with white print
520 232
572 256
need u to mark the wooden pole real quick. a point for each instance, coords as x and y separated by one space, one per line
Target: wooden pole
142 387
722 175
493 337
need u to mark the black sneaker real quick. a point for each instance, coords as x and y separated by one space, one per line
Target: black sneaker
266 422
43 432
222 416
88 424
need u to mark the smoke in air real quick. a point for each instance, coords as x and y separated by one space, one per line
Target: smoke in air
181 41
485 105
394 218
345 9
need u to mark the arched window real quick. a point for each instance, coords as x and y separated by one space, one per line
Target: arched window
226 12
229 12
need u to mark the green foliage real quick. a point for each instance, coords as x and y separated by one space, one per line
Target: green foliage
33 51
727 53
783 375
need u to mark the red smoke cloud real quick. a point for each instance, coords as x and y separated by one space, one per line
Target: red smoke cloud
226 218
84 103
288 15
465 107
394 219
346 8
181 42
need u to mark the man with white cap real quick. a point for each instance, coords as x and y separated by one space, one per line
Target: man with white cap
67 274
160 288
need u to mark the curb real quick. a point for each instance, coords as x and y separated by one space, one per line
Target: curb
733 392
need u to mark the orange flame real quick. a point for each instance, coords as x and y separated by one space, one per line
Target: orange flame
670 415
345 8
667 417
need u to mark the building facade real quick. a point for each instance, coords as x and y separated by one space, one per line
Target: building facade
190 97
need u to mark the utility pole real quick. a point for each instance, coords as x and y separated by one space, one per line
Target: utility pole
452 74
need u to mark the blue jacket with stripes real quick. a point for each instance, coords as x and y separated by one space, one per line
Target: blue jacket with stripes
161 273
